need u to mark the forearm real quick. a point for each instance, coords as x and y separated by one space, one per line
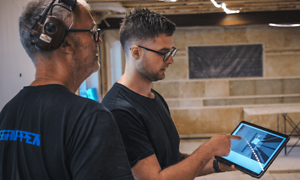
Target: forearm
190 167
208 169
201 161
198 163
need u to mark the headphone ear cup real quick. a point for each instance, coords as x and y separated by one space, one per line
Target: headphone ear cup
50 35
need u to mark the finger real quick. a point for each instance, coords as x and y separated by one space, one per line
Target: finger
224 167
235 137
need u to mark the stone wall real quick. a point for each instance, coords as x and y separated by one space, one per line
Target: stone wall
216 105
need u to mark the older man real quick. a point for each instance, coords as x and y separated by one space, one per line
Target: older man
46 131
149 134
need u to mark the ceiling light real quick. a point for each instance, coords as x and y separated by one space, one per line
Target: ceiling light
216 4
168 0
228 11
223 6
284 25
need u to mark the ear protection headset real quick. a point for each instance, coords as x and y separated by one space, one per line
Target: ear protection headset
49 31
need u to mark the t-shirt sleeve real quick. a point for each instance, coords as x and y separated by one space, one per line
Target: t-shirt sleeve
96 150
134 135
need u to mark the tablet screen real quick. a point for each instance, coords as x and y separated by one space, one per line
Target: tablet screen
257 149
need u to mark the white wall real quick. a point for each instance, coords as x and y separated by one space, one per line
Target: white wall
13 58
113 56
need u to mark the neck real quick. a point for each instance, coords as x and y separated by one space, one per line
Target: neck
56 73
137 84
45 81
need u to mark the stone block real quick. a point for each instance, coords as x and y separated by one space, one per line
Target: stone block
274 121
267 121
167 89
240 101
291 100
291 38
213 36
190 103
216 88
191 89
267 87
197 121
277 100
214 102
242 88
178 70
205 36
179 39
282 65
193 37
184 103
272 38
291 86
235 35
172 103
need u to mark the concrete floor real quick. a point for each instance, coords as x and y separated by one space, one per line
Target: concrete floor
285 167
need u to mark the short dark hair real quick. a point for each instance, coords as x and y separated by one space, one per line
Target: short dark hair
142 24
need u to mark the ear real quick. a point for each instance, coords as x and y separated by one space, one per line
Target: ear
135 52
67 47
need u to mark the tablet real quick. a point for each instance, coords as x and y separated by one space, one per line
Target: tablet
256 151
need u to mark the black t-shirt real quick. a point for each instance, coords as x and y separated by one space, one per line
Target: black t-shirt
47 132
145 125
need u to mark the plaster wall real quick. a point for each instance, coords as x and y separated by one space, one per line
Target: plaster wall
16 68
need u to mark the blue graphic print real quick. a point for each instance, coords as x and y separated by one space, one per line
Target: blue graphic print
14 135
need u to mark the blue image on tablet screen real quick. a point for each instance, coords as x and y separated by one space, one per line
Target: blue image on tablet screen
256 148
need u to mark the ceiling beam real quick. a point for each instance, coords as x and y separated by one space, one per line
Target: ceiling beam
221 19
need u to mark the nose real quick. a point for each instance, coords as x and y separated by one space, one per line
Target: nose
170 60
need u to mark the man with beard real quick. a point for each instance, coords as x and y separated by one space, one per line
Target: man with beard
149 134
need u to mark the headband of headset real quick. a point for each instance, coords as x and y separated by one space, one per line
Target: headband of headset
49 31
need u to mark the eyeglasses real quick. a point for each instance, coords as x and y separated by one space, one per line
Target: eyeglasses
95 31
172 52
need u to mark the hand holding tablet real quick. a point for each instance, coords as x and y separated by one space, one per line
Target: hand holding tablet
256 151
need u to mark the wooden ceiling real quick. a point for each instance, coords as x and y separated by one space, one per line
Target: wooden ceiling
282 11
206 6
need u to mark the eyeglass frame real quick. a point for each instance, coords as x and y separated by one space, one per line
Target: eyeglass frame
161 53
94 31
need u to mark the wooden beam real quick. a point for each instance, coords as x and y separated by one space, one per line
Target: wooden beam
205 6
187 1
119 0
222 19
262 4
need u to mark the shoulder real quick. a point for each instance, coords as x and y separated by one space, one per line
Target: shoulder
88 106
111 96
118 98
76 106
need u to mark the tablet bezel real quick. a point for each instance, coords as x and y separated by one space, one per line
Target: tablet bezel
247 171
